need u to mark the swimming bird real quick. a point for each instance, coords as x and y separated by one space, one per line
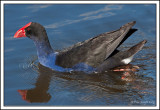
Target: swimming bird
95 54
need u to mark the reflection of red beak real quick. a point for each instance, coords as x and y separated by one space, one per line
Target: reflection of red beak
23 93
21 31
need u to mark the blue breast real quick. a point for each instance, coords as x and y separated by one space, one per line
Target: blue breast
49 61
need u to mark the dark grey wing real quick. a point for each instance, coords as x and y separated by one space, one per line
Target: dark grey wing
121 58
130 32
95 50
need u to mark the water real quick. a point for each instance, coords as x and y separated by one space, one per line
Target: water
26 82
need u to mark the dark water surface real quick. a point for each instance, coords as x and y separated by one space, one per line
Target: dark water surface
29 83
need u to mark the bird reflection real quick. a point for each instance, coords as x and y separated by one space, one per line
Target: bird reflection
39 93
102 84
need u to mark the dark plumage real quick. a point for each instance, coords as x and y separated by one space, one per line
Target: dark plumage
99 52
95 50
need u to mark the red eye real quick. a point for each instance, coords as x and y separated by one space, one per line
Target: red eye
28 29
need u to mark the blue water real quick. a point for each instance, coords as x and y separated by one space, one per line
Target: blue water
65 26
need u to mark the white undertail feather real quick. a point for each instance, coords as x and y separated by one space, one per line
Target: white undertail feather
127 60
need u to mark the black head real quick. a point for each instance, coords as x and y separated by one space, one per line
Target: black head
34 31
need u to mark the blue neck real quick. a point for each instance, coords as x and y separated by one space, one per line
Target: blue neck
47 56
43 49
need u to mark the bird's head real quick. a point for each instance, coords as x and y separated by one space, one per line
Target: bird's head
32 30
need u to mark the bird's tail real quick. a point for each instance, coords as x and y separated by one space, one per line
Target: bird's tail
121 58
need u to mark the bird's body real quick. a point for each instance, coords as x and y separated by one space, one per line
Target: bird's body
96 54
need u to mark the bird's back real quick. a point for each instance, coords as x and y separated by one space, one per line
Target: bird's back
95 50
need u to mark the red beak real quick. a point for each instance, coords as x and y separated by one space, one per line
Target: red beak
21 32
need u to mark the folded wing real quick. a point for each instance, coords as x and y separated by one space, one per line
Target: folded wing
95 50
